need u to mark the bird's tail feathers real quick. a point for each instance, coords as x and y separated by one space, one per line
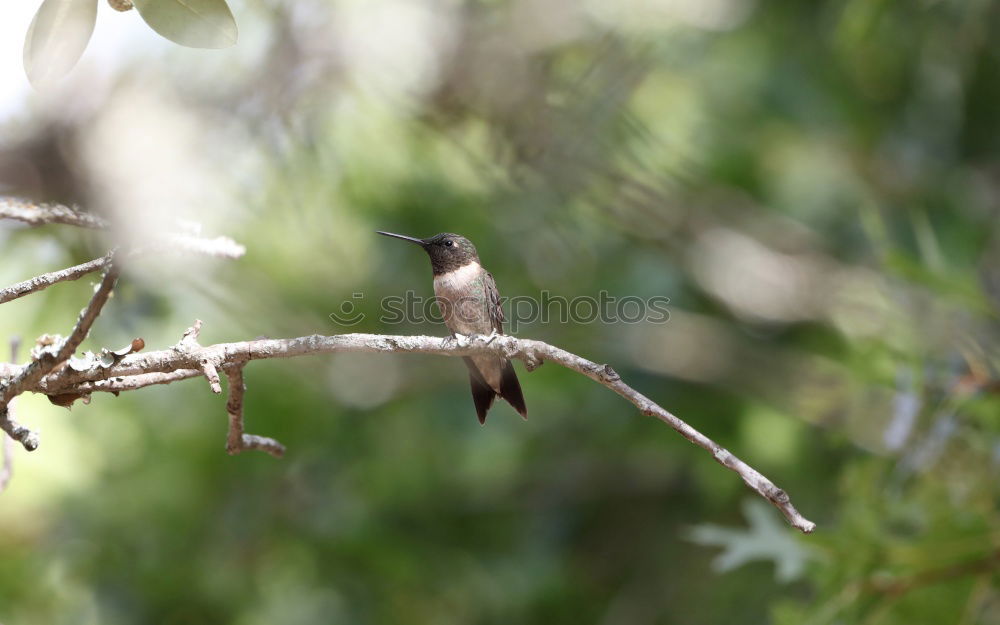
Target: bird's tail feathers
510 389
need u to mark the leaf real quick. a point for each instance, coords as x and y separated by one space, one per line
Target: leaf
765 539
192 23
57 37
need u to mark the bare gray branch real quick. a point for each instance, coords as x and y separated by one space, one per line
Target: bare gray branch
44 281
35 214
185 361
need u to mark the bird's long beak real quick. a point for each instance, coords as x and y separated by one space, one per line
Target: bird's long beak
402 236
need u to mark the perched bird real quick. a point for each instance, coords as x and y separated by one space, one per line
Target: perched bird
470 304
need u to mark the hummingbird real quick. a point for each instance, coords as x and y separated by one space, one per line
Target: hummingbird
470 304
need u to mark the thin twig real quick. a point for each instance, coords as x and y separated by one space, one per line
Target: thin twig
237 440
35 214
28 438
7 471
88 315
219 247
207 367
44 281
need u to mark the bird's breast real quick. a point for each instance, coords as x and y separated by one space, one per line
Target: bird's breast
462 299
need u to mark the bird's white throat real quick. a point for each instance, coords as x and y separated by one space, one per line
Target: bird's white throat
456 279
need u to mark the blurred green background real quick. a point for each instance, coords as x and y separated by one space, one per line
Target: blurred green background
814 185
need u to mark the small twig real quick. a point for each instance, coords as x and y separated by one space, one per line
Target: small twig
238 441
206 366
219 247
35 214
7 471
88 315
44 281
27 438
212 375
190 337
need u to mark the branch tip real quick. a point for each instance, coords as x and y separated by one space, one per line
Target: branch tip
28 438
211 374
191 334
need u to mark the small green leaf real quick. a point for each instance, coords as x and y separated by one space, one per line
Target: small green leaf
57 37
192 23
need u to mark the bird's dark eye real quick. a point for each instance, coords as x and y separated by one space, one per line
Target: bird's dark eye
449 243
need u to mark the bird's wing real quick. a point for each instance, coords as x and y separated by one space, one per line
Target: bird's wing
494 303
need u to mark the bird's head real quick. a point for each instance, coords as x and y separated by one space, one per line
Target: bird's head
448 251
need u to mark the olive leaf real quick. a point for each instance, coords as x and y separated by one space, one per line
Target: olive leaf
57 37
192 23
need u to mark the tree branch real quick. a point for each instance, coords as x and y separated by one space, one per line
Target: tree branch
35 214
185 360
44 281
219 247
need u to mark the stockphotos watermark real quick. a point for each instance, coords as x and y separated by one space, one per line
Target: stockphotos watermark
412 308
